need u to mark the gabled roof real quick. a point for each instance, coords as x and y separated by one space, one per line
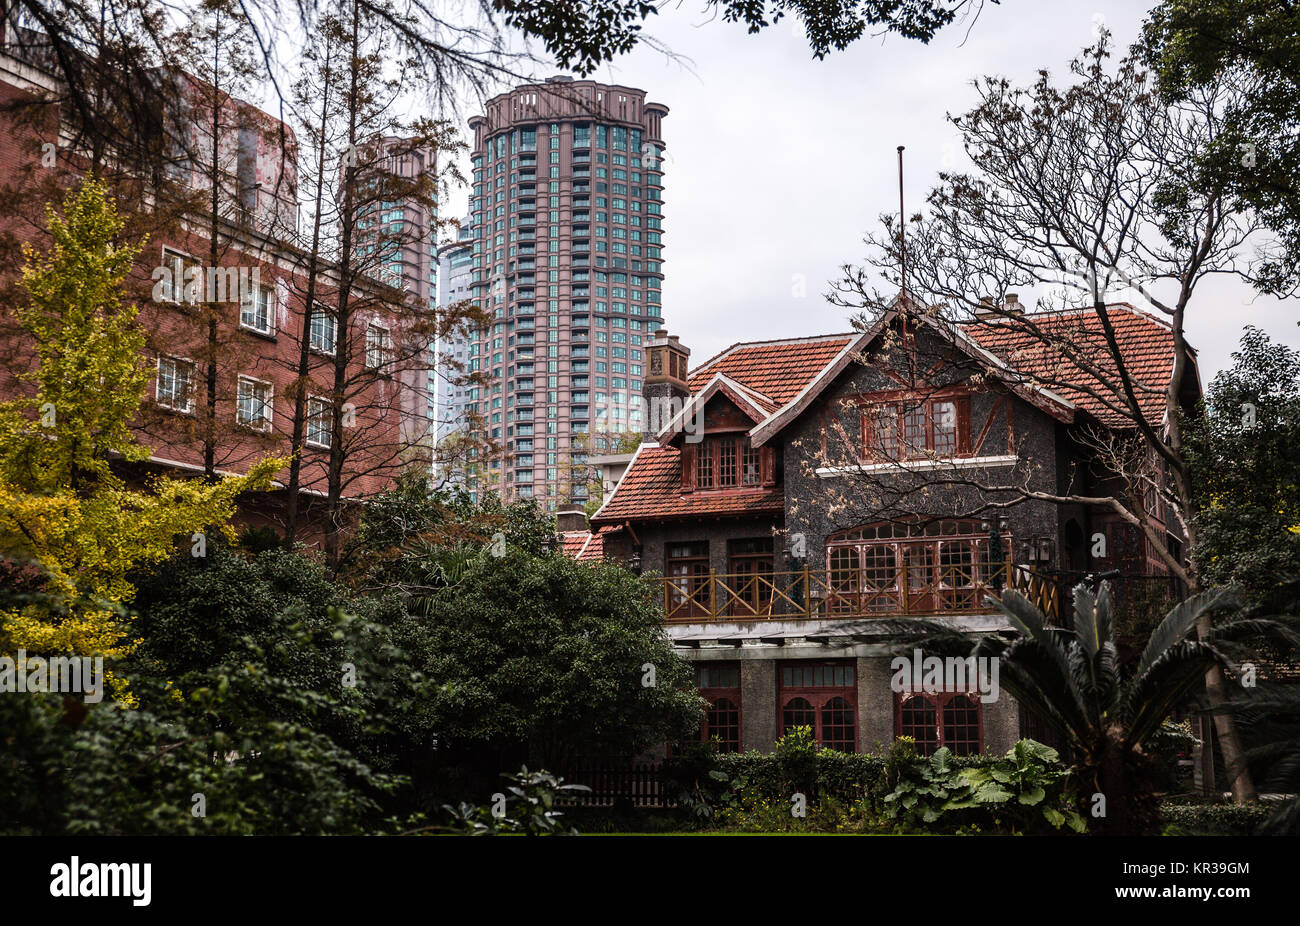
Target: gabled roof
1048 401
754 404
777 370
1076 345
774 382
760 377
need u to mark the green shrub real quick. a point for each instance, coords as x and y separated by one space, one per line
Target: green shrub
1027 791
1213 819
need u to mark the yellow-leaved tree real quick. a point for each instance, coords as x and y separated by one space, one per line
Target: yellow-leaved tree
69 521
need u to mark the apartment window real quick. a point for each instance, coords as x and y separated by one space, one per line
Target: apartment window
951 719
256 311
318 422
823 697
894 431
378 348
719 684
324 330
253 409
180 270
175 384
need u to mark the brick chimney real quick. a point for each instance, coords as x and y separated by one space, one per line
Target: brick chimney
571 517
991 312
665 390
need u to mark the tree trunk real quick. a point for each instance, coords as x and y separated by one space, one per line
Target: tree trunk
1243 786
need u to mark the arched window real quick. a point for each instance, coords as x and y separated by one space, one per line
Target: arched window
951 719
719 684
823 697
838 724
797 712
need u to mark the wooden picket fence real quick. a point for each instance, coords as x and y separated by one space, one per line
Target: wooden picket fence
634 784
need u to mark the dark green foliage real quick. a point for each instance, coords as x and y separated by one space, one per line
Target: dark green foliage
528 805
1272 718
584 35
1245 453
1251 44
244 678
197 612
254 540
1212 819
549 658
146 771
1027 791
414 538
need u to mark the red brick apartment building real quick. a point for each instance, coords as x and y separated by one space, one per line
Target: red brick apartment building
261 287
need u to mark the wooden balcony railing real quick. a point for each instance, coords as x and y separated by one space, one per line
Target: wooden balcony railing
811 594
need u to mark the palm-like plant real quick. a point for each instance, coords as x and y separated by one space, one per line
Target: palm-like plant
1275 709
1104 709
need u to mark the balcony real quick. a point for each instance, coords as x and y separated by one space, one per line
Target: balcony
817 595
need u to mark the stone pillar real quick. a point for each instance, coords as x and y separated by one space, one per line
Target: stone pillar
758 704
1001 724
875 704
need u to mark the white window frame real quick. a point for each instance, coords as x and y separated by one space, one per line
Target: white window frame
384 349
171 258
325 406
251 303
188 407
322 313
268 405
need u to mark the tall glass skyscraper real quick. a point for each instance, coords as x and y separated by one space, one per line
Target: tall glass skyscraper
568 260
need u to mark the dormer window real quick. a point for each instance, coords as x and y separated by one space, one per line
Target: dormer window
725 462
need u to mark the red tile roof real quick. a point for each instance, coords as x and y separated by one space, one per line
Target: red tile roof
777 369
780 371
593 549
1076 347
652 488
583 546
574 541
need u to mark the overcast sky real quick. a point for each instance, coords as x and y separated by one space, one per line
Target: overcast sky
778 163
